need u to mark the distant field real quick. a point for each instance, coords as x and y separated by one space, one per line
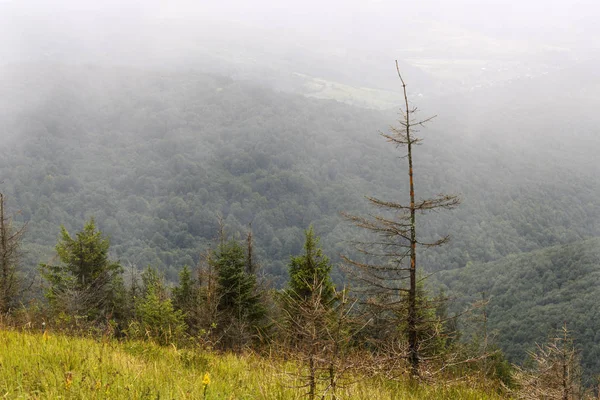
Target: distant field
358 96
49 366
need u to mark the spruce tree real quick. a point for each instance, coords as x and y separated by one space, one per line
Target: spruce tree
309 267
240 309
186 298
316 320
155 316
86 282
393 283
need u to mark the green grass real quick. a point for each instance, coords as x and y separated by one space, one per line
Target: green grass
36 366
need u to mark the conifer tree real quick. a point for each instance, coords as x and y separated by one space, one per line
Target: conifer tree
86 282
240 310
186 298
10 240
316 321
308 268
309 296
555 371
155 316
397 240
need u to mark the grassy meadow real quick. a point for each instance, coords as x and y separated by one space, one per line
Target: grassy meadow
54 366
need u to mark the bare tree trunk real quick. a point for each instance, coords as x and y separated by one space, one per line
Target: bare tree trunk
9 257
485 331
250 251
312 379
398 242
412 292
3 258
221 223
566 384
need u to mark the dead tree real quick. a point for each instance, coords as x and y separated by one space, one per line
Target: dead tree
10 241
556 372
398 241
318 329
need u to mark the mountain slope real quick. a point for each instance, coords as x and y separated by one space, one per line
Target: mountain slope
156 156
531 295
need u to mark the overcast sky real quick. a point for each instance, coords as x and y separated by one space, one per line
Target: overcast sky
445 46
572 23
310 37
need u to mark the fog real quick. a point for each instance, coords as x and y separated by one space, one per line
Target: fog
467 60
444 45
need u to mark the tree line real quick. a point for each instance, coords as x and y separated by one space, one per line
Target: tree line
225 304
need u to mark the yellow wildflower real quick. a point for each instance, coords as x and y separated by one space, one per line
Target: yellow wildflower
206 379
205 383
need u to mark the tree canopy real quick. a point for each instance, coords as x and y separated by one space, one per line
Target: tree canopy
86 280
310 270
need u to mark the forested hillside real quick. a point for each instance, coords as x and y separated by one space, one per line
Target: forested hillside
156 157
532 294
